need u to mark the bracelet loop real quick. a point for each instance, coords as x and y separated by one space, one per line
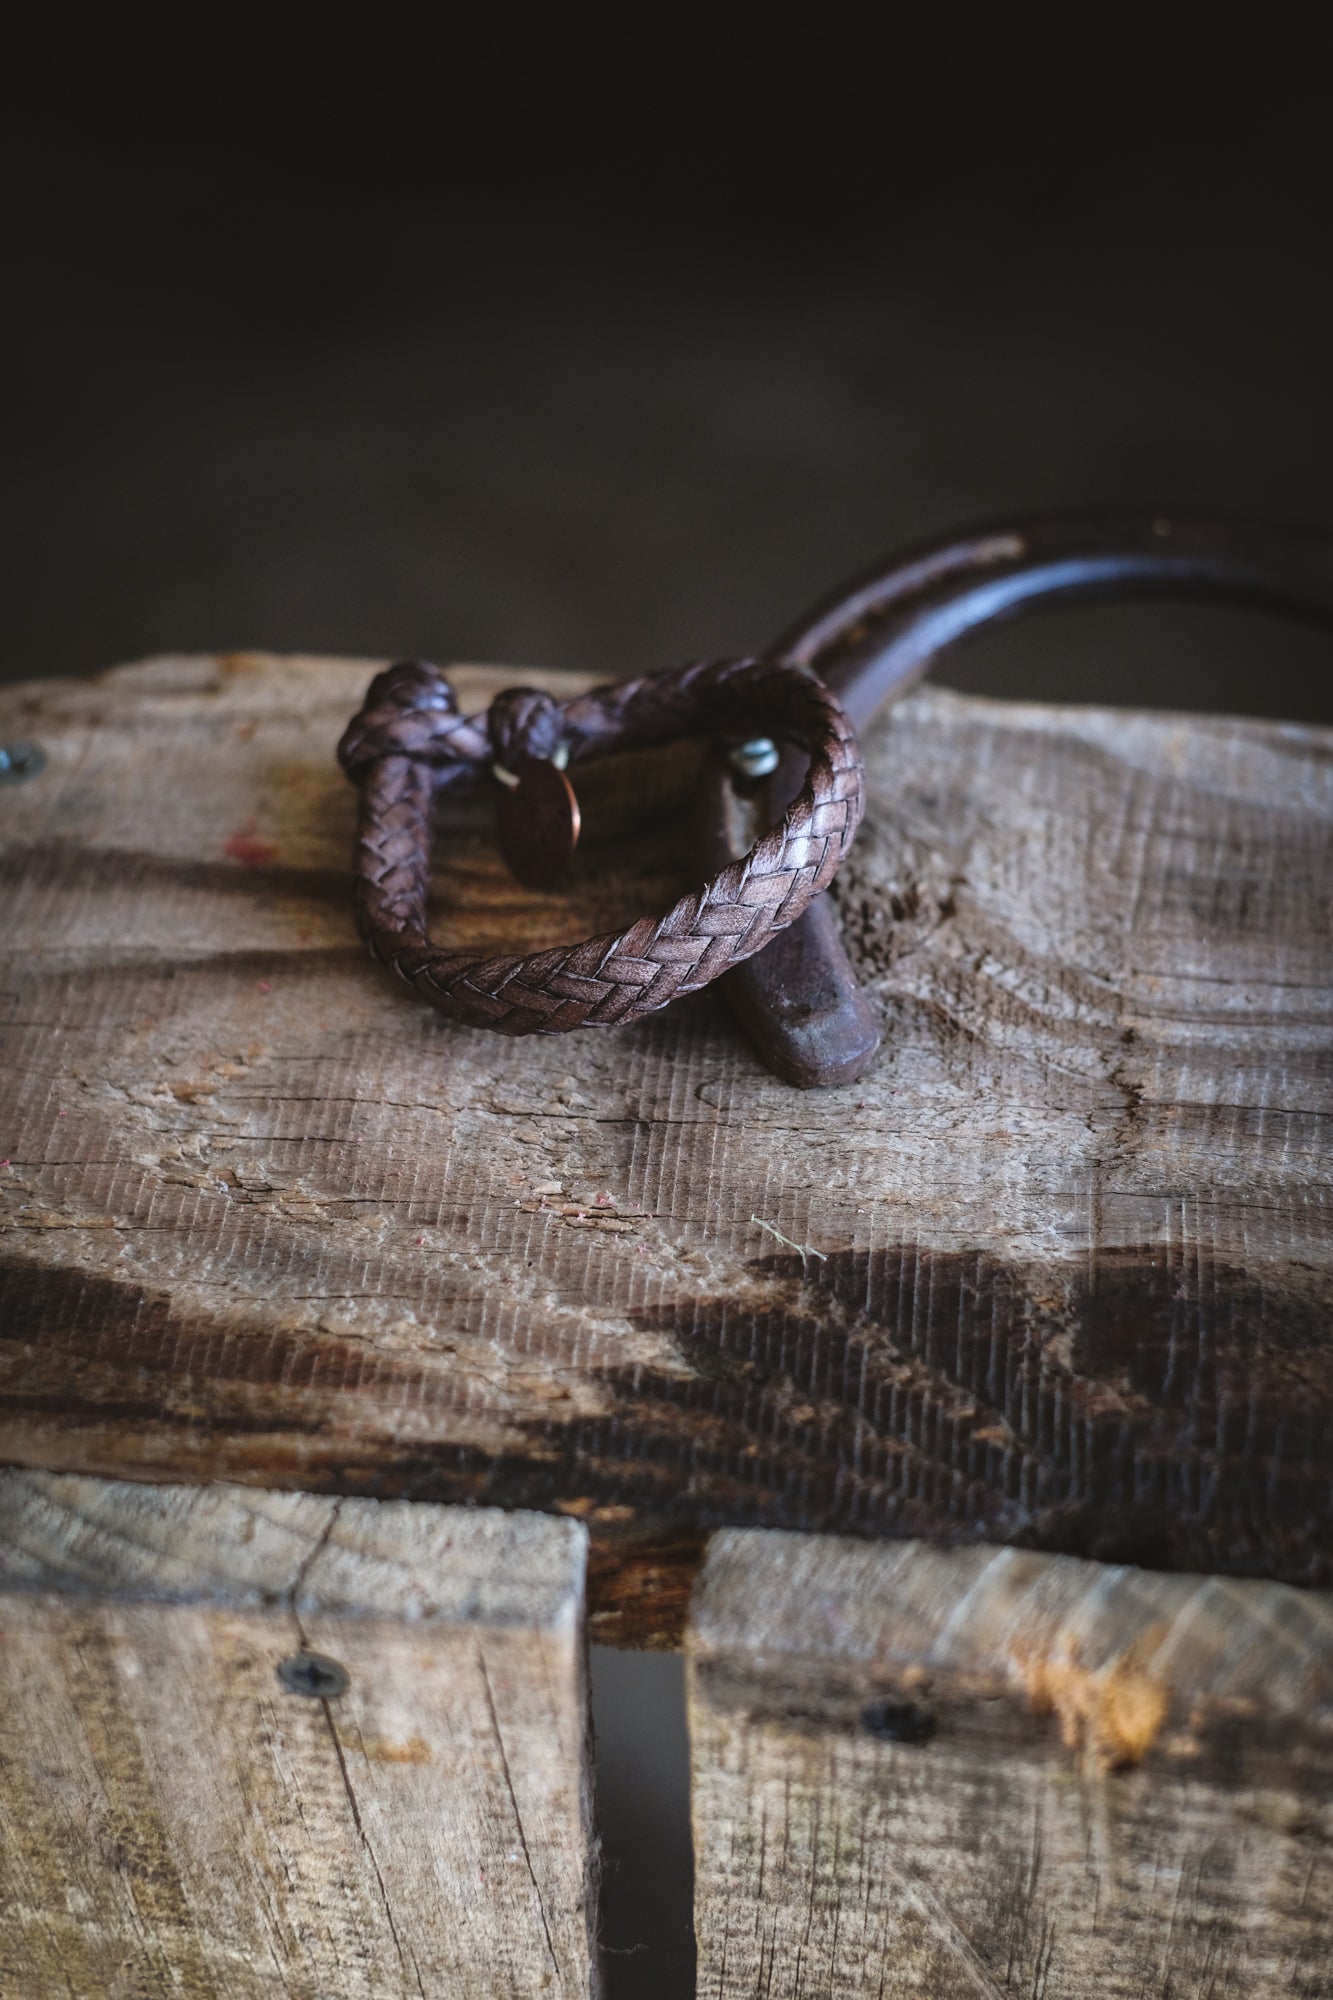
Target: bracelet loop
409 741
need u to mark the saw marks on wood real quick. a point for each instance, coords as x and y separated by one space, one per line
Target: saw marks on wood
1056 1272
175 1821
988 1772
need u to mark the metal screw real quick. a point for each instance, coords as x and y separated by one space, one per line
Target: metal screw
756 759
19 761
898 1721
313 1674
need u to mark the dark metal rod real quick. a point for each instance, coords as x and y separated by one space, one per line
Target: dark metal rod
799 1000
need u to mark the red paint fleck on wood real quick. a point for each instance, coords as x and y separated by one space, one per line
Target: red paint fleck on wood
249 852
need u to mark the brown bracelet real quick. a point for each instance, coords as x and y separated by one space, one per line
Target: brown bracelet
409 741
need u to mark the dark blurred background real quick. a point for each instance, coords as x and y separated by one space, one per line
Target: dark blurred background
609 345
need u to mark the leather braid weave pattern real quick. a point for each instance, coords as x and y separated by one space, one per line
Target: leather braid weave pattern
409 741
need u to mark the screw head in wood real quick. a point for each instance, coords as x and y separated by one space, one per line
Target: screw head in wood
19 761
314 1675
898 1722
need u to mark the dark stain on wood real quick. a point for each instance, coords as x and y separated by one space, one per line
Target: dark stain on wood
250 869
1153 1409
101 1321
1149 1408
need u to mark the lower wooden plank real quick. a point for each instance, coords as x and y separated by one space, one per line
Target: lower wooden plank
988 1772
177 1818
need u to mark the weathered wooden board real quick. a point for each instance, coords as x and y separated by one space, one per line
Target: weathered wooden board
174 1821
1057 1272
983 1772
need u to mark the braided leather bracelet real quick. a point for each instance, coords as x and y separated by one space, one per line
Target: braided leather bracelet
409 741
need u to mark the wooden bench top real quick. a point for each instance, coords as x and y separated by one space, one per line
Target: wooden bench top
1057 1272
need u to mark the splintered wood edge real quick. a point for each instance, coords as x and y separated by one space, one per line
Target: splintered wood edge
252 1547
1111 1650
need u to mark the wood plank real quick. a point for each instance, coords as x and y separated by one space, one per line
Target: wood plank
1057 1272
176 1821
981 1772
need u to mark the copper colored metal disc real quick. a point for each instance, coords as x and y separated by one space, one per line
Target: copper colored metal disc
539 823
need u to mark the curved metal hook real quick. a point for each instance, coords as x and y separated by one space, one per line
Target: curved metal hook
799 1000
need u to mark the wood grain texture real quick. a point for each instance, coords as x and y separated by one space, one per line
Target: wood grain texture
175 1822
986 1772
1057 1273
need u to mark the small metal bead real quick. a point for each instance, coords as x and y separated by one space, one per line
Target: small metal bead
756 759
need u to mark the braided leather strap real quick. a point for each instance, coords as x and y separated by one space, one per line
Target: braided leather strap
409 741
